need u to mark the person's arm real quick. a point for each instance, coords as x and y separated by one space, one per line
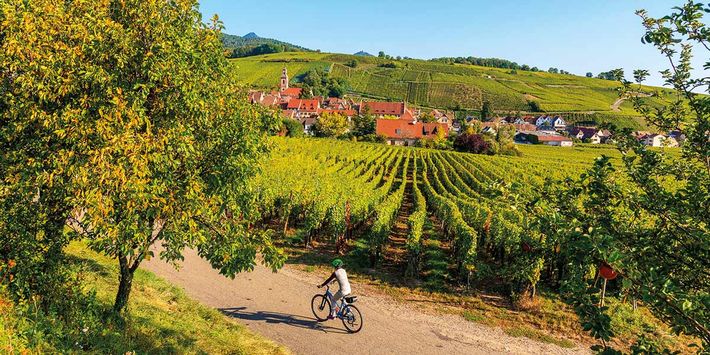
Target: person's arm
332 276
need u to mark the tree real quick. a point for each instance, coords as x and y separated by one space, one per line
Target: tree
615 74
534 106
648 219
293 128
331 125
381 54
471 143
486 110
136 106
364 123
590 75
352 63
553 70
427 117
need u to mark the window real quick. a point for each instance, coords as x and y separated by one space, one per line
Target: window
398 131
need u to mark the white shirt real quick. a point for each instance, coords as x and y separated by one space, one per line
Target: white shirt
343 282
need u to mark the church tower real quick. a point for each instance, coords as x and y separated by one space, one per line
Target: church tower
284 80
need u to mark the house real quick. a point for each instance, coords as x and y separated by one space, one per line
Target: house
406 132
550 123
309 124
489 130
543 121
443 117
677 135
558 123
524 127
545 138
304 107
659 140
592 135
382 108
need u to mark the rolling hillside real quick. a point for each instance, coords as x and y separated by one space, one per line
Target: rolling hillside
461 87
252 40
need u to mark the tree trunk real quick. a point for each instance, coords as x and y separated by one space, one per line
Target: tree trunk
124 285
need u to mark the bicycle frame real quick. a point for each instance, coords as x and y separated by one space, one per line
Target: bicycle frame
329 295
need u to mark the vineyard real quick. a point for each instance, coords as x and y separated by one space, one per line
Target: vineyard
348 196
439 85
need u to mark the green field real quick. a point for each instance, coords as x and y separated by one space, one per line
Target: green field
439 218
431 84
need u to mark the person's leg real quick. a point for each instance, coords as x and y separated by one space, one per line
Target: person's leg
331 298
336 297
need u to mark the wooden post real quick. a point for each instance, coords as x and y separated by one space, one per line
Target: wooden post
603 293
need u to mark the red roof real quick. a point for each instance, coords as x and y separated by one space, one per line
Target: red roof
408 129
294 92
303 105
552 138
383 108
525 127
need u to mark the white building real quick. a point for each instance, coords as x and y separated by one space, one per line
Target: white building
659 140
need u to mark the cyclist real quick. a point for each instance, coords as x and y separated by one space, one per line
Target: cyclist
342 277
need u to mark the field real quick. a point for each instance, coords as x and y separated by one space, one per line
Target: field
435 220
465 87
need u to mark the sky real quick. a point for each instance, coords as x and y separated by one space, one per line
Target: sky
573 35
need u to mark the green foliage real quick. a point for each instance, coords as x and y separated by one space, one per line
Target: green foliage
317 82
133 110
162 319
251 46
649 219
293 128
415 222
331 125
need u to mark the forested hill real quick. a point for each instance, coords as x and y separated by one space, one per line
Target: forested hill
458 86
251 44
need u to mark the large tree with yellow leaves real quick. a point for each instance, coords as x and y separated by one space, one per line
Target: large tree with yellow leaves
120 119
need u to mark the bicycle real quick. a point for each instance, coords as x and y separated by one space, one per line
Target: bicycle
348 313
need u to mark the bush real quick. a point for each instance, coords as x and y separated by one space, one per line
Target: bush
472 143
293 128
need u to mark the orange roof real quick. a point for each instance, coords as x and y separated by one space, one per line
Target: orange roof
407 115
294 92
384 108
408 129
307 105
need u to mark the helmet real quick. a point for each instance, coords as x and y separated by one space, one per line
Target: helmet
337 262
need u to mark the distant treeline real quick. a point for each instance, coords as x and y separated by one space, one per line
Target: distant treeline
245 47
486 62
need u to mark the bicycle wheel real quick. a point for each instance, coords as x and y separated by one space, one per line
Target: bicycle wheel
320 305
352 319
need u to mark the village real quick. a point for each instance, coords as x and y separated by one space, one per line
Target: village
398 124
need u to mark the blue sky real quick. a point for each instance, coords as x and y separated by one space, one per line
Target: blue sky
577 36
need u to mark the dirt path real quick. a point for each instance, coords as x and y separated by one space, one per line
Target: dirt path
277 305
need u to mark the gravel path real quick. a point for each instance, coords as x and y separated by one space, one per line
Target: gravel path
277 305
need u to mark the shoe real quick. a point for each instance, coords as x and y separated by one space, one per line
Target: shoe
331 317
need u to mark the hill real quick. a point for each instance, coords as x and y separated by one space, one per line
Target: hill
363 54
243 46
457 86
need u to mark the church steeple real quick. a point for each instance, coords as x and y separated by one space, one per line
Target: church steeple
284 80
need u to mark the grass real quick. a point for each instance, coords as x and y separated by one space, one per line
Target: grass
537 335
161 319
432 84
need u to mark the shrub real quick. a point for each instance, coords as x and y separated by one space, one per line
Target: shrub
293 128
472 143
